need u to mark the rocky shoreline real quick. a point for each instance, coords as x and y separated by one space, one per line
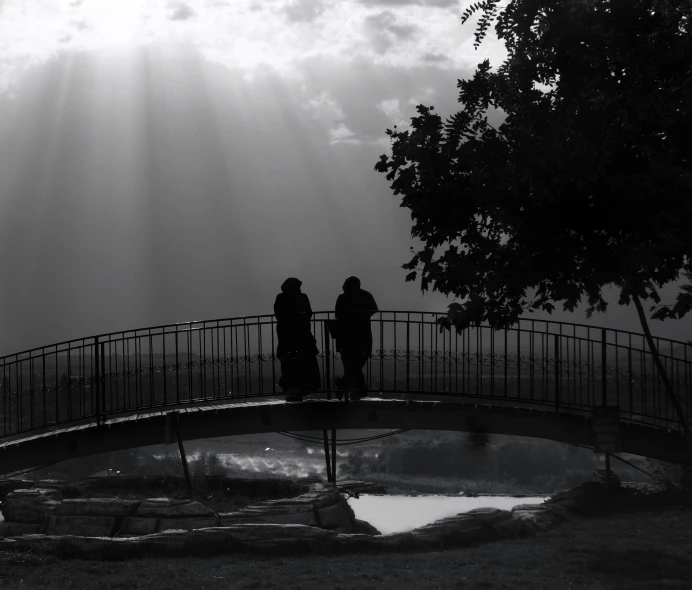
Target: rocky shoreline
317 521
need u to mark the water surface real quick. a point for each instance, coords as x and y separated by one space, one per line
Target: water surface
394 514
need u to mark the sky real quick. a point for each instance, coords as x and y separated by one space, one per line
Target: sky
163 162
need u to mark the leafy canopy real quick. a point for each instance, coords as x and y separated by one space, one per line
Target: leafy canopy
586 183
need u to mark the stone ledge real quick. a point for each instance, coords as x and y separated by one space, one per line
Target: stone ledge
321 506
474 527
96 507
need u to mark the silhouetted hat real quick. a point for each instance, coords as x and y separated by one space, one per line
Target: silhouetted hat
351 284
291 284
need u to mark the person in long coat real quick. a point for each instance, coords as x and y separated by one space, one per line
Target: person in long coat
354 308
297 348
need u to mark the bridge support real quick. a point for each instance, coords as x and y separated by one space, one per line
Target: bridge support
334 457
173 433
326 455
608 473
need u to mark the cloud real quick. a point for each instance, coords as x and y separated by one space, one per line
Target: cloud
384 31
303 10
390 107
434 57
340 133
325 109
433 3
180 11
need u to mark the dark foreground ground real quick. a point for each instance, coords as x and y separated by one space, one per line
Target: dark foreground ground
648 550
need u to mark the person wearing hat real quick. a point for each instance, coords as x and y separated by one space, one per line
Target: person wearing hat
297 348
354 308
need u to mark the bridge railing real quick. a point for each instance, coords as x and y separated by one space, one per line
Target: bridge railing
556 365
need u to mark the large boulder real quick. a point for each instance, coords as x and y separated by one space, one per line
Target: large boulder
11 484
470 527
54 484
29 506
289 514
86 526
96 507
601 476
360 487
324 508
362 527
187 524
591 497
16 529
136 525
337 516
167 508
530 519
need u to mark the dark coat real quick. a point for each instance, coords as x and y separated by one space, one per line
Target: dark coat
353 312
293 314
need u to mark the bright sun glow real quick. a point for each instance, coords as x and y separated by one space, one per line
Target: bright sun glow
238 33
119 22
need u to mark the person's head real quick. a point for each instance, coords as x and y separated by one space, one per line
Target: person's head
351 284
291 285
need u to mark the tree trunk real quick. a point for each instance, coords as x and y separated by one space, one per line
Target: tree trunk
662 372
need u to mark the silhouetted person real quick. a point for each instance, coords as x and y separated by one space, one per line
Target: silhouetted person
297 348
354 308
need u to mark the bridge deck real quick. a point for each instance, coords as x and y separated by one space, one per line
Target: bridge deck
141 429
139 415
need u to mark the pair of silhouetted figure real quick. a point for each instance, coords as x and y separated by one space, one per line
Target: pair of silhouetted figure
297 348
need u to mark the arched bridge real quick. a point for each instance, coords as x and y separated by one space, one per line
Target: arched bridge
538 378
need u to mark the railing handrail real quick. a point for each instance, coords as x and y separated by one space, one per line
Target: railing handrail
94 337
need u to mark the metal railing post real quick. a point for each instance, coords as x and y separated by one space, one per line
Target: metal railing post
604 398
604 369
97 381
327 359
558 371
102 379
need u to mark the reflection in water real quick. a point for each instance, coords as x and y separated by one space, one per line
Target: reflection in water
394 514
275 463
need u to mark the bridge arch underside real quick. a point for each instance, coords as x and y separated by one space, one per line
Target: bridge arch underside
146 429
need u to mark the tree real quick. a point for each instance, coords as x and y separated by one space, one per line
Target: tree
586 183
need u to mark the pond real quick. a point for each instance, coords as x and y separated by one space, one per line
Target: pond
394 514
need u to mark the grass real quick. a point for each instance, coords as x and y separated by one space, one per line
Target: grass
643 551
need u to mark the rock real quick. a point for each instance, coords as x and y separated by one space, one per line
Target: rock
476 526
330 516
167 508
273 507
591 497
51 483
30 506
96 507
87 526
187 524
15 529
360 487
305 517
316 499
363 527
11 484
134 525
533 518
601 475
471 527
